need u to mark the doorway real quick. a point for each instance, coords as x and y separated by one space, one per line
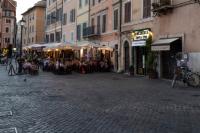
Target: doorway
169 60
140 60
116 57
126 56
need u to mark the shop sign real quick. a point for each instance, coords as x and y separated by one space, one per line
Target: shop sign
141 35
160 48
138 43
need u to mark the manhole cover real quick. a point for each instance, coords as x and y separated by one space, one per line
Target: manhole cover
5 113
9 130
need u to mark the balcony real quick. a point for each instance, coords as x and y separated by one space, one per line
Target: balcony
91 32
162 7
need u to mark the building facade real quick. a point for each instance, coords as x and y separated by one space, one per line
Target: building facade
69 22
132 28
100 29
82 20
8 23
171 31
54 12
179 23
34 28
136 17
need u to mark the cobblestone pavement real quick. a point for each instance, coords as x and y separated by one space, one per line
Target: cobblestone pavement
96 103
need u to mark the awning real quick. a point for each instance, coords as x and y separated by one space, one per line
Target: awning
163 44
138 43
51 46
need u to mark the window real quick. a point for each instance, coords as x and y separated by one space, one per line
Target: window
7 29
98 24
86 2
146 8
47 38
84 27
58 36
32 28
72 15
59 14
52 37
93 2
8 21
78 32
32 39
72 36
116 19
92 23
53 17
104 22
48 19
7 40
127 12
80 3
64 18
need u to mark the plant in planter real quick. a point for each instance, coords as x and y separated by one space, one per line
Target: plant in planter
151 60
131 70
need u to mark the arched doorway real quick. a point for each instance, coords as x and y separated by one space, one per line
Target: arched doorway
126 56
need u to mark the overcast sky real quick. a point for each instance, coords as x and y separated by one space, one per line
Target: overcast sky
23 5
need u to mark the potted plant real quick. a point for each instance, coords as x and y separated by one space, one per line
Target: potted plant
152 65
131 70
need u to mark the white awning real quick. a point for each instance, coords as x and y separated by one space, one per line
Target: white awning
163 44
165 41
138 43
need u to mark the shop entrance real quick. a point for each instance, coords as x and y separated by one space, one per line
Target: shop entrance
127 57
140 60
168 59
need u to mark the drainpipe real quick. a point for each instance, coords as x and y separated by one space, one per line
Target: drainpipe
55 17
120 36
62 22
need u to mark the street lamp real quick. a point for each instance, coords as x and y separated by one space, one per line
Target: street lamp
22 23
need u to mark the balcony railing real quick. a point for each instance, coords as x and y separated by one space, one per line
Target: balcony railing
91 31
162 7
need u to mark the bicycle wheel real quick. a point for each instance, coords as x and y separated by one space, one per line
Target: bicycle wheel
174 81
193 80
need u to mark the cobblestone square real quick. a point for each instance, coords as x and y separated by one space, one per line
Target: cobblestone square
96 103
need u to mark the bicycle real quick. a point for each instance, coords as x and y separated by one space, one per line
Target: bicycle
185 75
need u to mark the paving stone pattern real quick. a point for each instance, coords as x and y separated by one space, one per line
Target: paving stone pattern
96 103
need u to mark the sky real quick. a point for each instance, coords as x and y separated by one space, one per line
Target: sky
23 5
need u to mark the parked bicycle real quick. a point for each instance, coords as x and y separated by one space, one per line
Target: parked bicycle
182 73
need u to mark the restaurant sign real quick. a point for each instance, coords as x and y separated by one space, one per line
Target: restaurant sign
139 35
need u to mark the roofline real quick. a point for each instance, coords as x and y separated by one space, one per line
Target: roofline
13 4
30 9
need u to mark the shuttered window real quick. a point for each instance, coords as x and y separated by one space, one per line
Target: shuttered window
146 8
127 12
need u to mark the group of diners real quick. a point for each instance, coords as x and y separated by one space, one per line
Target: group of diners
61 66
